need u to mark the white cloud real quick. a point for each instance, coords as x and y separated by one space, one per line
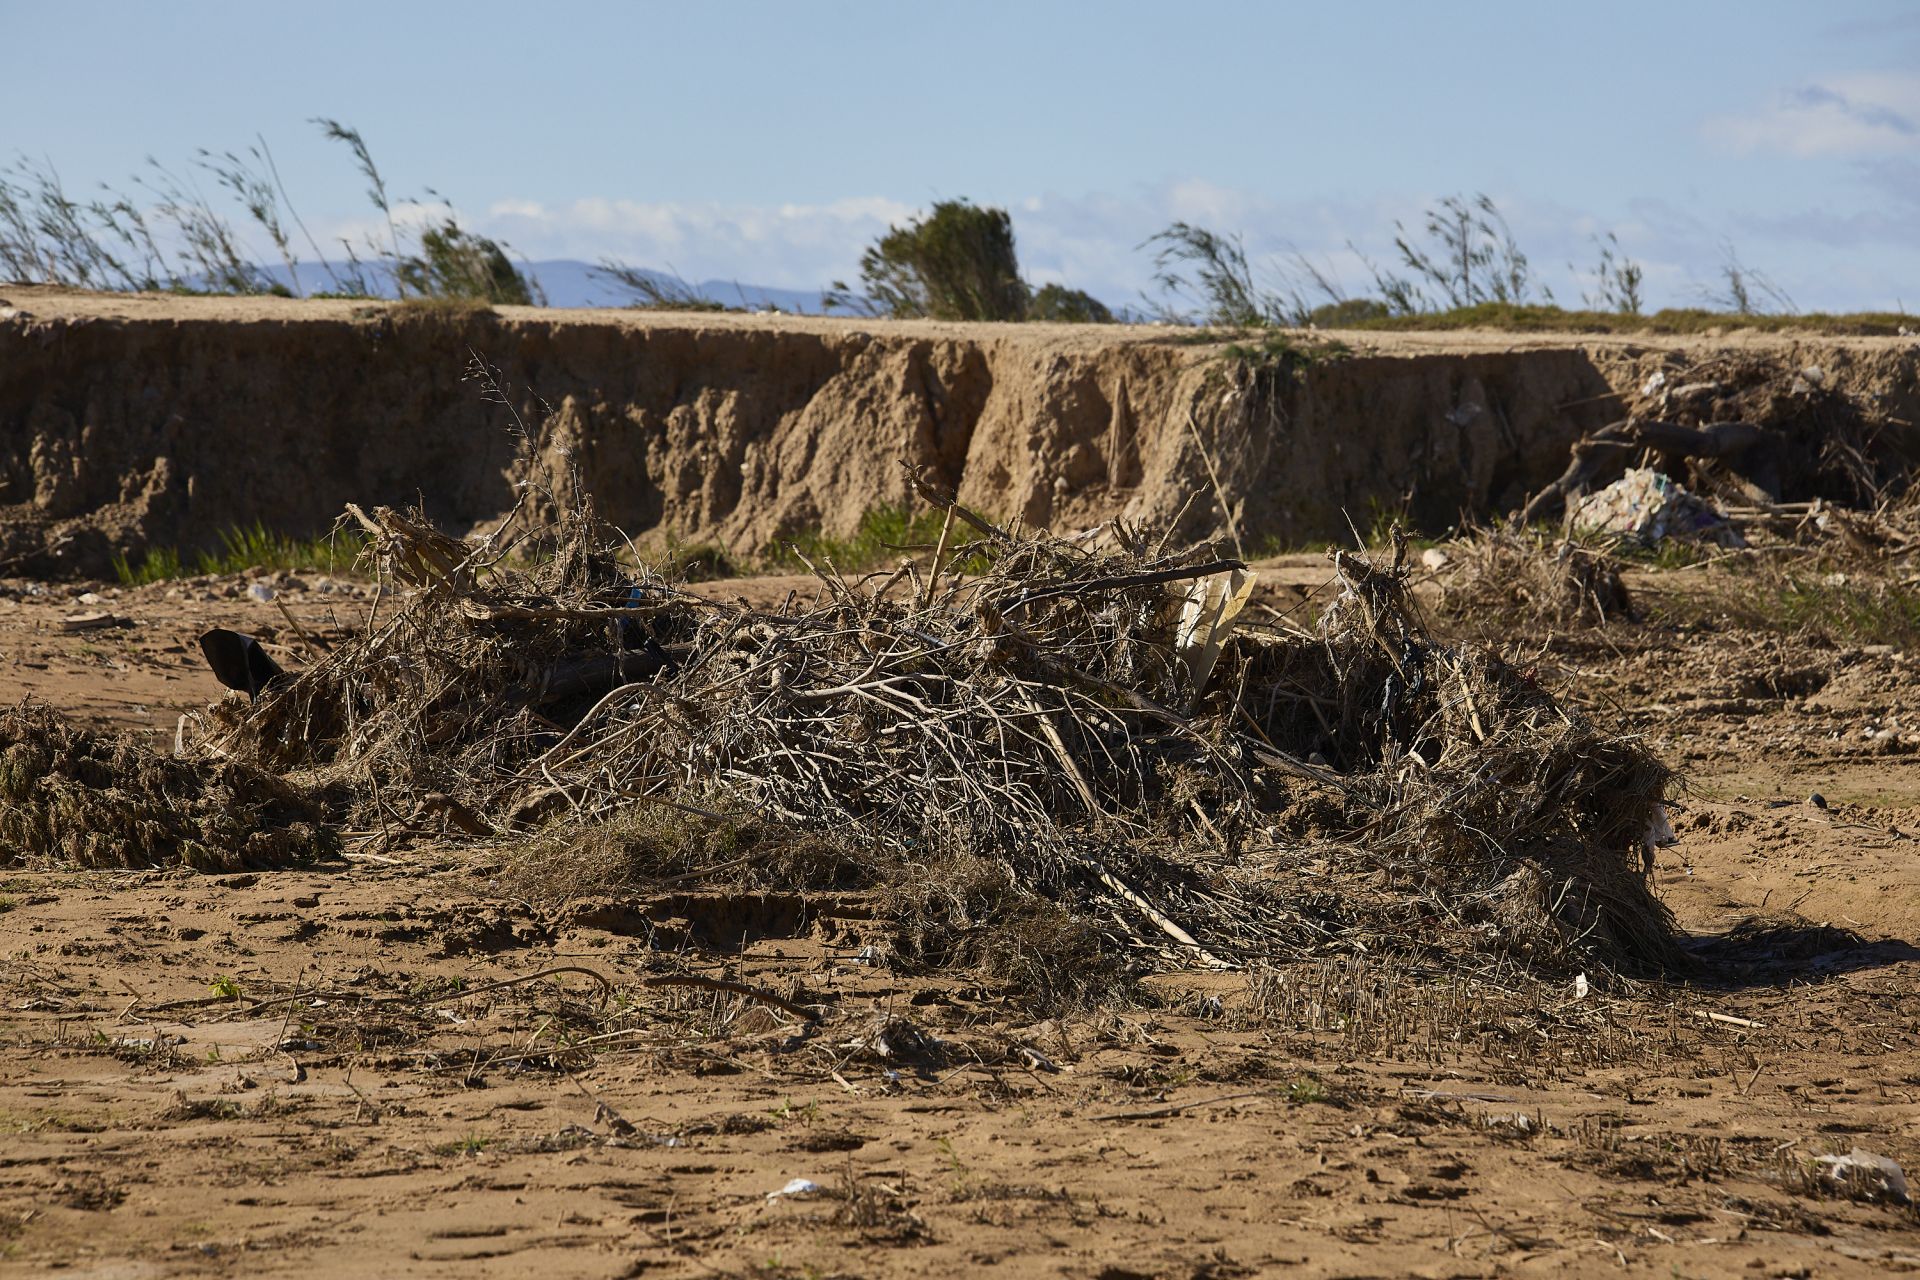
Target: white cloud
801 246
1864 113
1094 241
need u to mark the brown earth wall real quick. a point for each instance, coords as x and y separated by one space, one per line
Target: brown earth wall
128 423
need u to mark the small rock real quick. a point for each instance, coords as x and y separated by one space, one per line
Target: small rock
88 621
1817 800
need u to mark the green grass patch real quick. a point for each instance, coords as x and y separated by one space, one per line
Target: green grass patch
1849 612
1841 608
1668 553
471 1145
884 535
241 548
694 562
1285 352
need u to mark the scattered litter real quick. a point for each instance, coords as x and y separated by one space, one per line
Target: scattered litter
1648 507
261 591
1659 833
1730 1020
1864 1168
1580 987
798 1187
90 621
1035 1059
1460 1095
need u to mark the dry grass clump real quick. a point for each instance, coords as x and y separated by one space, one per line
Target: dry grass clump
962 912
646 846
1500 576
1070 763
71 796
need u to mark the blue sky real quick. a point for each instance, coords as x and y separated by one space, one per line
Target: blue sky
768 142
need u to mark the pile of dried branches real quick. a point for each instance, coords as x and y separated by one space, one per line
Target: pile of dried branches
1090 729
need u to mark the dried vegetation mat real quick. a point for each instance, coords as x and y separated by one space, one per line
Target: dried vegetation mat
1073 766
72 796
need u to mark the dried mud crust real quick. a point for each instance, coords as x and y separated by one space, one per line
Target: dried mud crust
365 1072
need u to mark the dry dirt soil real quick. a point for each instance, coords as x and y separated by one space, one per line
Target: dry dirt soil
383 1066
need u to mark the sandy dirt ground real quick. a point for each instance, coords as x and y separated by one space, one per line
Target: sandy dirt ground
60 304
50 303
385 1066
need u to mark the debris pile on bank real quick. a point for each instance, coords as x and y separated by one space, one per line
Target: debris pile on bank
1099 732
1736 451
1742 438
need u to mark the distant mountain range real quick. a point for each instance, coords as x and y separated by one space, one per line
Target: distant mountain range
568 283
578 284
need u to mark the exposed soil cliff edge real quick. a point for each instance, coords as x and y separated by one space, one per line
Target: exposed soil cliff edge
130 422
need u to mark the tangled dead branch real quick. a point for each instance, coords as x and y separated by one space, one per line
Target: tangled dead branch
1085 740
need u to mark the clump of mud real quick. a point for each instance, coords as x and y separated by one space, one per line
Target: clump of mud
70 796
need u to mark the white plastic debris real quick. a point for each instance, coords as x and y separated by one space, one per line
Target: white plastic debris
1580 987
1654 383
1209 608
1876 1171
1650 508
798 1187
260 591
1435 559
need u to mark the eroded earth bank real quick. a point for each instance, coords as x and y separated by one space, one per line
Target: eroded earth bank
128 423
